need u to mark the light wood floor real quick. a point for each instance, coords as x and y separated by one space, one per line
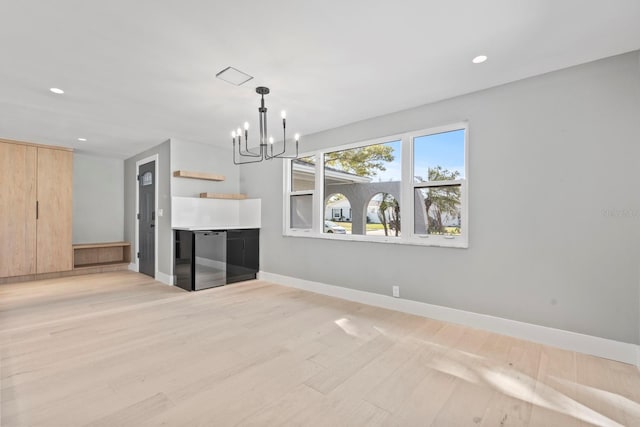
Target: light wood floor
118 349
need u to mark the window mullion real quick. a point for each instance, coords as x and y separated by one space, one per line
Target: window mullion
448 183
318 195
406 189
288 173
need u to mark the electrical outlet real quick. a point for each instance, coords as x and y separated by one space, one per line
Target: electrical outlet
396 291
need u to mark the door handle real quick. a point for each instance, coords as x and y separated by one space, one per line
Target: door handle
152 225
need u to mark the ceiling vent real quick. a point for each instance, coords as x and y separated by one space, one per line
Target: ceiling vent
233 76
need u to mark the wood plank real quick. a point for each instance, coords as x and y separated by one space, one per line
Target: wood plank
99 245
229 196
54 224
198 175
17 210
85 256
122 349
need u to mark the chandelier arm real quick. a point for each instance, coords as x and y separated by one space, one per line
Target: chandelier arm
280 154
284 144
247 153
235 162
246 162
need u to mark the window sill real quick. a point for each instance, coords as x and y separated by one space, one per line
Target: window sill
435 241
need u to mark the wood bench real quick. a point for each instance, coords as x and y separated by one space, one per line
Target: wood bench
92 255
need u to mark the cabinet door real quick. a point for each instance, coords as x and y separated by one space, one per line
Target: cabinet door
55 183
242 254
252 250
17 209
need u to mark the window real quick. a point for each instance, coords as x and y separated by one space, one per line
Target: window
147 178
409 188
353 177
301 191
438 166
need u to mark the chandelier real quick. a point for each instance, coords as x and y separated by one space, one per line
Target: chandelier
265 148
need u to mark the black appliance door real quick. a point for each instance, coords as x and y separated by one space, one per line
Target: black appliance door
183 260
210 259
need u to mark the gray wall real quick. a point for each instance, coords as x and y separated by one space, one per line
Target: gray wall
202 158
554 235
98 199
163 223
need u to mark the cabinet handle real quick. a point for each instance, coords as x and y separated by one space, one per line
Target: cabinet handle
37 209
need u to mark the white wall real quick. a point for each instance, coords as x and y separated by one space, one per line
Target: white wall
98 199
202 158
560 145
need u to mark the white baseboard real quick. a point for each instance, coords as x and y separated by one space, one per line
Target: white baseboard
160 277
164 278
601 347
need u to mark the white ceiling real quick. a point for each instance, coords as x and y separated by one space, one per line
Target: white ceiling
138 72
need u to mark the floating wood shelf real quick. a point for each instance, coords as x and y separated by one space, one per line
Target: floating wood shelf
101 254
198 175
223 196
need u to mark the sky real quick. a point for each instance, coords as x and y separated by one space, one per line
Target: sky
442 149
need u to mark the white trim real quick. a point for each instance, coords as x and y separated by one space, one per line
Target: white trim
444 241
164 278
153 158
133 267
597 346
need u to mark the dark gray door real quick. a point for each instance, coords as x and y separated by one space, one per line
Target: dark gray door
147 218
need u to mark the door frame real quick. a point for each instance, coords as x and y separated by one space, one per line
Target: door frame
139 163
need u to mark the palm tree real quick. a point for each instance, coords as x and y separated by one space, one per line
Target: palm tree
389 212
439 201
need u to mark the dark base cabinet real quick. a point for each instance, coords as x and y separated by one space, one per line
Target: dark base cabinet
205 259
243 254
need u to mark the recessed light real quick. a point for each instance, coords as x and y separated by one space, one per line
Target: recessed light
56 90
233 76
82 139
479 59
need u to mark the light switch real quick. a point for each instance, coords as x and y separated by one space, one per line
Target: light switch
160 212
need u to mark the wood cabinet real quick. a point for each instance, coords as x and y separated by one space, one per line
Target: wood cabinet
55 204
35 209
17 209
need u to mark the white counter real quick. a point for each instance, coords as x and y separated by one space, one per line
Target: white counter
215 228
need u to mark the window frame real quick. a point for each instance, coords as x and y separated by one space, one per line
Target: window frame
407 191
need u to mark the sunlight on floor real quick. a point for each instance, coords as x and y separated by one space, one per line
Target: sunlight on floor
512 382
528 389
612 399
348 327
